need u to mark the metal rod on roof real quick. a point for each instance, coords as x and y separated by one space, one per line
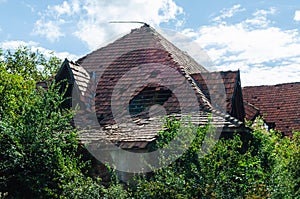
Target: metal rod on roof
141 22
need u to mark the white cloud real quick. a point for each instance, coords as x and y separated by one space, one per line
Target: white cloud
297 15
260 17
95 29
14 44
50 29
51 21
227 13
65 8
90 19
265 54
264 74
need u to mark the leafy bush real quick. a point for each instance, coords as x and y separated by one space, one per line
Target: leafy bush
38 146
39 151
268 168
285 176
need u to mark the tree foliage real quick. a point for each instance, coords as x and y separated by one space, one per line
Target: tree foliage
266 166
20 69
38 146
39 150
29 64
14 90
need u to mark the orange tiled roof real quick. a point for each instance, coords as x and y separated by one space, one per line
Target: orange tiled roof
277 103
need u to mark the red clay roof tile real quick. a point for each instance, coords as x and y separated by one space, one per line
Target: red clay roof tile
277 103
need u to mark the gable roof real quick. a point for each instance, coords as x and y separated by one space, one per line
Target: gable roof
143 38
278 104
212 84
124 61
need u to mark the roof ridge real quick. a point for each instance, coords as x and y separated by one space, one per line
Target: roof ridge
223 71
173 49
182 69
274 85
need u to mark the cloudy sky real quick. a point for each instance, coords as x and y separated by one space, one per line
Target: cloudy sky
260 38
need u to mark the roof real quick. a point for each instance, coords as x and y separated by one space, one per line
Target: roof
81 76
251 111
124 80
224 88
140 132
143 38
212 83
278 104
141 47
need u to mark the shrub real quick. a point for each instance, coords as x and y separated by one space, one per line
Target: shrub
268 168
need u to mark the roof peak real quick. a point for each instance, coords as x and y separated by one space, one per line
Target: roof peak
140 22
147 35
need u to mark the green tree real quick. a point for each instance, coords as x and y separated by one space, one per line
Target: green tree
14 90
264 166
39 152
29 64
285 178
227 171
20 69
38 146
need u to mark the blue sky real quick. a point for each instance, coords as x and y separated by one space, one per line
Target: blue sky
260 38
